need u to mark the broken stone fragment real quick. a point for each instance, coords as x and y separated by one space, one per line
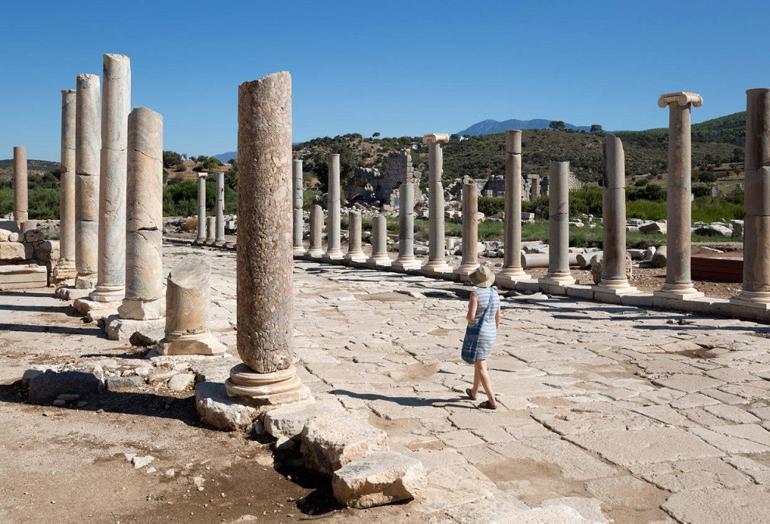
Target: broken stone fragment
219 411
46 387
377 479
181 382
329 443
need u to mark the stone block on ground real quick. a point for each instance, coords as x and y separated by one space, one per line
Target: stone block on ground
23 277
144 332
46 387
15 252
331 442
377 479
219 411
287 422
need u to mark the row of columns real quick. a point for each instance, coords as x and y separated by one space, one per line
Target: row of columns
211 229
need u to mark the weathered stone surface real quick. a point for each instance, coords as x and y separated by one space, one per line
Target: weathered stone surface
377 479
659 257
46 387
127 383
219 411
15 251
288 422
181 382
117 328
329 443
747 504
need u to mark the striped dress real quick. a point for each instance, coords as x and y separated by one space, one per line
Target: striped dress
482 332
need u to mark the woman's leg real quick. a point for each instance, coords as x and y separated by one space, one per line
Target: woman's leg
476 380
481 368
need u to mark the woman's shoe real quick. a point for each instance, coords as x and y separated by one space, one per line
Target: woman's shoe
487 405
468 392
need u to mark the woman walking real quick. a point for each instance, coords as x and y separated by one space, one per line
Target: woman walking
483 319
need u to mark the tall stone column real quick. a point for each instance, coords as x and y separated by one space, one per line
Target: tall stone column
355 253
333 251
143 304
116 104
316 232
470 260
201 238
406 260
297 201
211 230
264 257
20 186
219 237
437 243
558 226
756 236
512 270
614 278
380 257
65 266
679 201
87 145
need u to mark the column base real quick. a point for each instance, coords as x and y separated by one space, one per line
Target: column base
194 344
359 257
95 310
70 292
379 261
299 251
266 389
753 299
220 243
124 328
612 291
677 292
107 293
409 263
436 267
199 241
333 256
557 279
315 254
64 270
508 277
85 281
466 269
135 309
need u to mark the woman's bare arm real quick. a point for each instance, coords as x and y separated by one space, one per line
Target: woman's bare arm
472 305
498 316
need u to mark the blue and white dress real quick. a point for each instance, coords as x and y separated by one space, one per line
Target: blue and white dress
481 333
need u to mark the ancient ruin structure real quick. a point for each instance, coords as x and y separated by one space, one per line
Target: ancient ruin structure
211 230
355 252
65 266
558 227
297 201
201 238
219 236
187 301
87 153
679 200
406 259
436 258
316 232
333 203
756 240
512 271
264 257
380 257
470 260
20 186
614 278
144 299
116 104
534 187
372 184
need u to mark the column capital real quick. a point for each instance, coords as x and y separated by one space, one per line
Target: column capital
435 138
513 141
680 98
203 174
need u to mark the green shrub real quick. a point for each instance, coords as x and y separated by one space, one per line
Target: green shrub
491 205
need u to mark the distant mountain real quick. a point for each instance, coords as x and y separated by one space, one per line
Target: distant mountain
226 157
490 127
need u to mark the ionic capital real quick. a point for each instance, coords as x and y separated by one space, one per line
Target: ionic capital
681 98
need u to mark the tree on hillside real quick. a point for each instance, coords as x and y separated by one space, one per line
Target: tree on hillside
171 159
557 125
596 128
376 134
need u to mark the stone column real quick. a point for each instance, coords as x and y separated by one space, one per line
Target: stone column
187 302
512 270
20 186
297 201
333 251
534 187
614 278
437 244
558 226
116 104
380 257
406 260
65 266
679 201
87 146
756 238
355 253
201 238
211 230
264 256
219 237
470 260
316 232
144 299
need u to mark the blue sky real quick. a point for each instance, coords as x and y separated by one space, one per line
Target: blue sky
397 67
